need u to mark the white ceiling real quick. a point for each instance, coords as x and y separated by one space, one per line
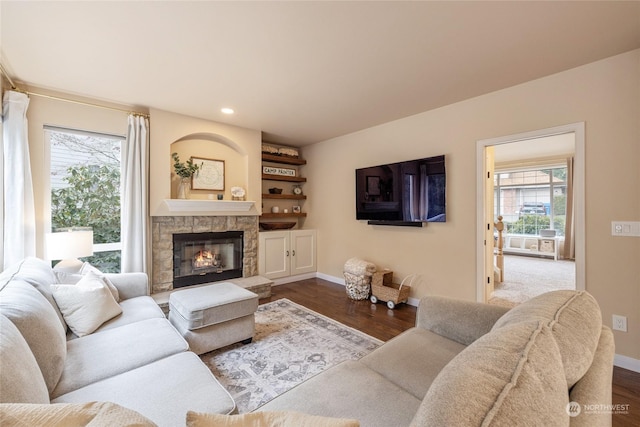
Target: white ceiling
555 146
303 72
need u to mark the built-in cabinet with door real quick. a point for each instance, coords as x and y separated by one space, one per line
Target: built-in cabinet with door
286 253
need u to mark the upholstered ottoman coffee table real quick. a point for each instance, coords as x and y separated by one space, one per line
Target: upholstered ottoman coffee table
213 316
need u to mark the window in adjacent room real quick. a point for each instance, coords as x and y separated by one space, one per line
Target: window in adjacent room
531 200
85 189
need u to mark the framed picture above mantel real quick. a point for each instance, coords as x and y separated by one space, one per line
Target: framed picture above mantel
210 176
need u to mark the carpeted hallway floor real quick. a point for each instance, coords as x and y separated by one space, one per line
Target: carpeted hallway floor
526 277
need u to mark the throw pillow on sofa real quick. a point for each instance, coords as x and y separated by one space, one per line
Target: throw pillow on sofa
37 273
87 304
71 414
575 321
266 419
38 323
511 376
65 278
21 379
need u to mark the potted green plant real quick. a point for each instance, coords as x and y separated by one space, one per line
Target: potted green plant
185 170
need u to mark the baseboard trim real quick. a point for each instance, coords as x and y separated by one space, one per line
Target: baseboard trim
289 279
334 279
626 362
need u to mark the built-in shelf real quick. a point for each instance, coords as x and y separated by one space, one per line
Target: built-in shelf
283 159
288 199
284 196
283 178
211 206
282 214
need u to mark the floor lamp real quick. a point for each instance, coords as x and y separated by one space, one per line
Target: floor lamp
67 245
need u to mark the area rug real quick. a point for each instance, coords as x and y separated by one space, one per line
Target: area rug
291 344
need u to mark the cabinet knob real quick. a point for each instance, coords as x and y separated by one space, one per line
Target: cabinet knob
287 253
294 253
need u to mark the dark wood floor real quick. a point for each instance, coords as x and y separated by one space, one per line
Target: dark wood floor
376 320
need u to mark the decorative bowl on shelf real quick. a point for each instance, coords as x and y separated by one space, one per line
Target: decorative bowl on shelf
275 190
277 225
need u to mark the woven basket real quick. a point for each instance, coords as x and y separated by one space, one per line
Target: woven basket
358 286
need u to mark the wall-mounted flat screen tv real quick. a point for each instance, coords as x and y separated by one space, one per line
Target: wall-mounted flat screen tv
411 191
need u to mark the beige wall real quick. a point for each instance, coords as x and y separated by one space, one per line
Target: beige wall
605 95
240 148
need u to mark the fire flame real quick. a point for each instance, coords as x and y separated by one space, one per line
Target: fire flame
205 259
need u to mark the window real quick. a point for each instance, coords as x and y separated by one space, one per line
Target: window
85 189
531 200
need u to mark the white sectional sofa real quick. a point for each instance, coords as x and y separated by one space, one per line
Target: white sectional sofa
546 362
137 359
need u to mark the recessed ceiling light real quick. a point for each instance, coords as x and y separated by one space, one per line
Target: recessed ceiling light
227 110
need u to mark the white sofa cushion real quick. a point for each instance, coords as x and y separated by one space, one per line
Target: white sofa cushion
508 377
87 304
38 323
37 273
349 390
413 359
134 310
130 285
575 321
163 391
21 380
102 355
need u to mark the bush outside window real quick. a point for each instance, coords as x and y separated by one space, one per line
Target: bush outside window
85 190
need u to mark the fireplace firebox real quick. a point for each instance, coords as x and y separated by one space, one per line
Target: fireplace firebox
206 257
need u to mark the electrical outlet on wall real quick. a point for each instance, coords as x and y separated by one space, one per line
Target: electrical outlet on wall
619 323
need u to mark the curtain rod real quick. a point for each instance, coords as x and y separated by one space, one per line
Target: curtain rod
2 70
73 101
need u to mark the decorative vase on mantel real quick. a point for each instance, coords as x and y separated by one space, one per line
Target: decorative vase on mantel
185 170
184 188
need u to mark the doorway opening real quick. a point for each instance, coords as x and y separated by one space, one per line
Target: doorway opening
531 187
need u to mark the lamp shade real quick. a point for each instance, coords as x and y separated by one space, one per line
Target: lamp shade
69 244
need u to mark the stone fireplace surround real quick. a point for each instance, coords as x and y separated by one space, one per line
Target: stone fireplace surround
163 228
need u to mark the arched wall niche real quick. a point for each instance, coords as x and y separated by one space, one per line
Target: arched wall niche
213 146
240 148
213 137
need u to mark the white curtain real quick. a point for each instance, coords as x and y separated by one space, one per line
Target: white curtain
135 197
19 237
569 226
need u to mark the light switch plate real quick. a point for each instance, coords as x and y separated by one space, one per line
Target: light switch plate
625 228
